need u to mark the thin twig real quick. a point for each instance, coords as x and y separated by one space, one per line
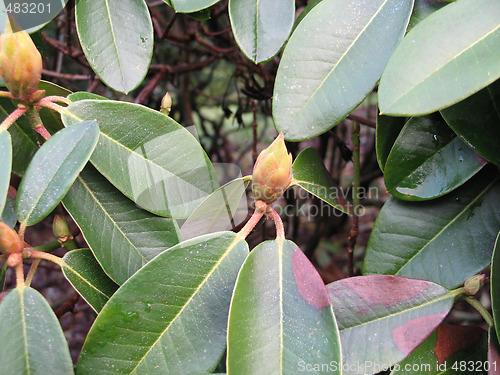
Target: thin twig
254 219
36 122
12 118
31 272
362 120
68 305
278 223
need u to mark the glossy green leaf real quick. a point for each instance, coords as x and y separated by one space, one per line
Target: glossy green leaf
148 156
281 318
122 236
33 340
390 315
5 167
224 209
309 172
86 275
447 57
190 6
448 350
332 61
171 316
117 39
82 95
304 12
261 27
495 284
445 240
428 160
476 120
9 216
53 170
387 131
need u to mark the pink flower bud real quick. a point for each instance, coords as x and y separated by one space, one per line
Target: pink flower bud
10 242
272 173
20 63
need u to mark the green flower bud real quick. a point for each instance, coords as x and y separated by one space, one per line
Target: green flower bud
474 283
166 104
20 63
10 242
60 228
272 173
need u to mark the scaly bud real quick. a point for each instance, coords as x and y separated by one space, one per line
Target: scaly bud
166 104
20 62
474 283
272 173
10 242
60 228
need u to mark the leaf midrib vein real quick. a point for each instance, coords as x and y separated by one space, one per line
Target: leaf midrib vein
462 212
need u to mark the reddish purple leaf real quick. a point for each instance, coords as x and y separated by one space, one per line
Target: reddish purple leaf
390 315
408 336
309 283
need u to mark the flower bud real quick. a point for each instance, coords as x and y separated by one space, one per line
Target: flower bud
60 228
9 240
166 104
20 62
474 283
272 173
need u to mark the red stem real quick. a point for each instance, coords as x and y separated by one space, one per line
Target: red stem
280 230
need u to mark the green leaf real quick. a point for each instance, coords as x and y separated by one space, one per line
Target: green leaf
446 240
428 160
82 95
332 61
33 340
304 13
171 316
495 284
5 167
281 318
387 131
261 27
9 216
86 275
309 172
191 6
476 120
448 346
53 170
117 39
444 59
224 209
122 236
148 156
390 315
